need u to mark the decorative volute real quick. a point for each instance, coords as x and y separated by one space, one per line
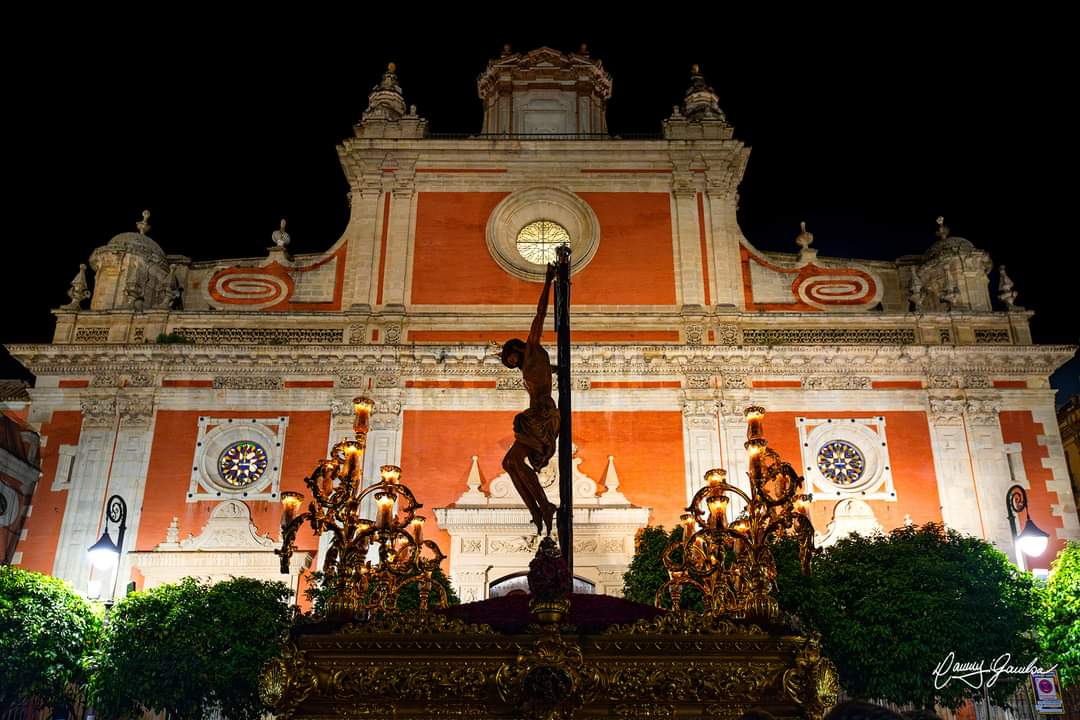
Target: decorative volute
386 114
700 116
545 92
953 275
130 271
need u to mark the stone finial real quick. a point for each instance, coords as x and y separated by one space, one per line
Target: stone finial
506 50
280 237
172 291
1006 293
79 290
915 290
942 229
385 102
143 225
803 240
172 534
702 102
583 50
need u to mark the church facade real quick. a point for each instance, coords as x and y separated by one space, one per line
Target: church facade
200 390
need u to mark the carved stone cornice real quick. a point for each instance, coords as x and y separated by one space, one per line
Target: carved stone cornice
247 382
947 410
943 366
836 382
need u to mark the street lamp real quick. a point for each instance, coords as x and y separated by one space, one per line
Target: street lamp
105 554
1032 540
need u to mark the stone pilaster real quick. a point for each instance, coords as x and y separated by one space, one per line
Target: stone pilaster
701 438
952 464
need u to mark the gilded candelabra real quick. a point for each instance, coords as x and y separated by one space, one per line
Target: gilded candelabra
732 563
359 588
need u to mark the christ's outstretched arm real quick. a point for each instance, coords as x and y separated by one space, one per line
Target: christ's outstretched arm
542 307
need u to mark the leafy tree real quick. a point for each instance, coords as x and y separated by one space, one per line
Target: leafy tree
46 634
320 590
189 648
890 607
1059 617
647 573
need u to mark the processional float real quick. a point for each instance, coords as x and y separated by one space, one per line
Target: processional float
552 655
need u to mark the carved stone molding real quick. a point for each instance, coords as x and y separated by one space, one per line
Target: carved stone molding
512 382
947 410
982 411
388 378
387 414
735 382
700 413
122 378
98 412
698 382
136 410
247 382
393 334
836 382
357 334
695 334
976 381
727 334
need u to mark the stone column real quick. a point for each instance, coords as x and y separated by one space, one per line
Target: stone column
732 437
991 466
953 465
686 231
701 438
362 232
86 496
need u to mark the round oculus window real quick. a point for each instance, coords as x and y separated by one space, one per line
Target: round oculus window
242 464
537 241
841 463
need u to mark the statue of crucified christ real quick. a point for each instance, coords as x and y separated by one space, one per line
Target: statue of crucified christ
536 430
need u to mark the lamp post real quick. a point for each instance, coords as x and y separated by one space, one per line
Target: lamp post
105 554
1032 540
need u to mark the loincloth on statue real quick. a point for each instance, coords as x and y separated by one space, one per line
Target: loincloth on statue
538 429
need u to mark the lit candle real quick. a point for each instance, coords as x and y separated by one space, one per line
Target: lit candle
326 477
290 503
717 511
382 514
390 474
802 503
418 529
756 449
716 476
687 522
755 421
362 408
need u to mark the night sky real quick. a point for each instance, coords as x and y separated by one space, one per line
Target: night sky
221 126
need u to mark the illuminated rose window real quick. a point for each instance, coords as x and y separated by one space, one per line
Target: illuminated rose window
841 463
536 242
242 464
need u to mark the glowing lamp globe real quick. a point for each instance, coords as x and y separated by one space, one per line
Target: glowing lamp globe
1032 540
104 554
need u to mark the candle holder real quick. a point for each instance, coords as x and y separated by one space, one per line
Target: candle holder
732 563
363 590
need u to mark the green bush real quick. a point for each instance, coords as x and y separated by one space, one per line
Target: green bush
189 648
47 633
890 607
1059 617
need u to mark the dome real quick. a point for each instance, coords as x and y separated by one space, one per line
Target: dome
950 246
137 243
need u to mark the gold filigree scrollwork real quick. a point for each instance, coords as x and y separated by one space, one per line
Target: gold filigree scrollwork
550 681
731 563
361 590
813 681
287 681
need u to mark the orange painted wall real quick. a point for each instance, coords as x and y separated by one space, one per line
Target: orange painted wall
43 525
437 447
633 264
1018 426
910 453
175 434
